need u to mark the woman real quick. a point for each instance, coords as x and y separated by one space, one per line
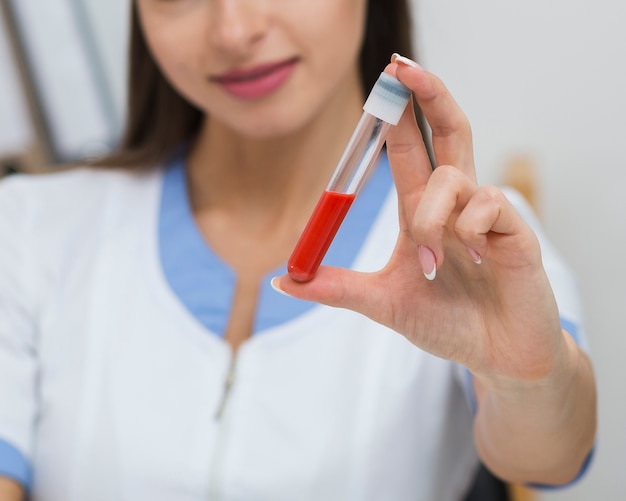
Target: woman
144 355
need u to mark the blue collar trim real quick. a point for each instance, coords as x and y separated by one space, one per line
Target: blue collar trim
205 284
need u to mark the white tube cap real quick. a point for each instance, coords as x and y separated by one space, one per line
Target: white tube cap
387 99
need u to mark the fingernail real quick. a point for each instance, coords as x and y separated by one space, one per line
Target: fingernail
428 261
397 58
474 255
274 283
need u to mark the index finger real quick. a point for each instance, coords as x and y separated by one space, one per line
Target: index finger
407 153
451 131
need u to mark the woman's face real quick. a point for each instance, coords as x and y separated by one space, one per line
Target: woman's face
261 67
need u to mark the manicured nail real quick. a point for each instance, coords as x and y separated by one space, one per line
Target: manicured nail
474 255
397 58
428 261
274 283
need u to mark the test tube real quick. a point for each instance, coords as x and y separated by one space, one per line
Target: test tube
383 108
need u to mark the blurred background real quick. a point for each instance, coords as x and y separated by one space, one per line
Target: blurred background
543 84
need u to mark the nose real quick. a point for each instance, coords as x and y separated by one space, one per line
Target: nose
237 25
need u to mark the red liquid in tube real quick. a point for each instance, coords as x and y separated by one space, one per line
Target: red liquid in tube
318 235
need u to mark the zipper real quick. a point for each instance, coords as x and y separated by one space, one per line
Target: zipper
228 384
214 484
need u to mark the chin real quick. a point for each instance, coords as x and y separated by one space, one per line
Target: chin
269 131
273 127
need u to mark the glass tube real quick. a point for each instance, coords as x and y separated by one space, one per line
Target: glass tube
382 109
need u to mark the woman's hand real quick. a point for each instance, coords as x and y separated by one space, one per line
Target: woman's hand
499 317
465 282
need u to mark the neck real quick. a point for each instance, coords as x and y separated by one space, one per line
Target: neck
277 177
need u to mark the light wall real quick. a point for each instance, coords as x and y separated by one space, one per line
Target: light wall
110 21
549 79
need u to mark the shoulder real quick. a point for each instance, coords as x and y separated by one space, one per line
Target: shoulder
76 183
49 216
41 200
47 221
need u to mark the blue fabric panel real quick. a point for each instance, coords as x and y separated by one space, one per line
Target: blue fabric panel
14 465
197 277
572 328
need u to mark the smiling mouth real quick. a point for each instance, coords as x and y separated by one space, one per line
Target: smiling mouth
256 82
251 74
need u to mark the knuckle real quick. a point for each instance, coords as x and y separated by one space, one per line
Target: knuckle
490 194
401 148
446 174
464 231
427 229
458 123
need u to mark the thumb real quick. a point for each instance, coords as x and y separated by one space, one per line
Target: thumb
331 286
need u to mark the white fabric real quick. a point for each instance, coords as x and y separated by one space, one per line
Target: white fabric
111 388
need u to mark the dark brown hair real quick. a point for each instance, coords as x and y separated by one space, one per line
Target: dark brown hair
159 119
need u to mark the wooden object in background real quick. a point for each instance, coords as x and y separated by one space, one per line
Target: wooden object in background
519 173
520 493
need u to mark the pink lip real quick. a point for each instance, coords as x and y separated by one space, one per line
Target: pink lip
257 82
